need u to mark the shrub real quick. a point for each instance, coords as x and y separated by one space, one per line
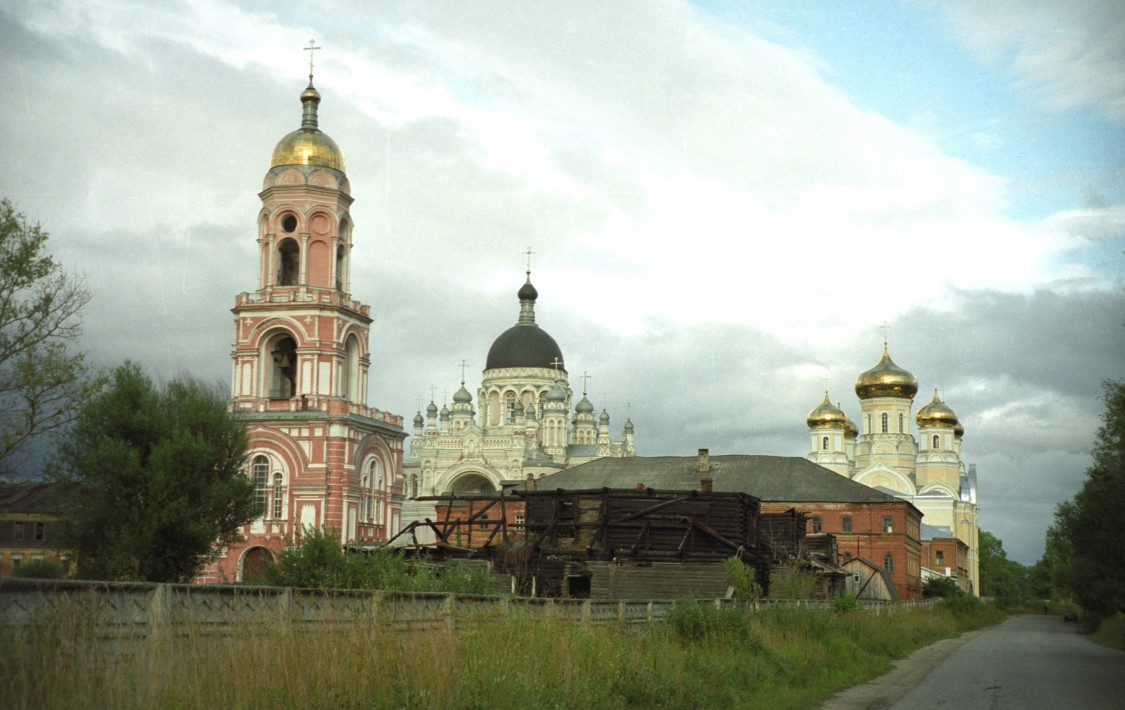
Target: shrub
844 602
743 579
39 569
940 587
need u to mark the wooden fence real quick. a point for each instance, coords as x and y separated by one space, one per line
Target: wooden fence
142 610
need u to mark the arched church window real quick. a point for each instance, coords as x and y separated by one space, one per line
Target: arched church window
349 387
277 497
824 444
901 423
936 440
889 562
261 474
867 427
340 252
886 422
283 374
365 497
510 407
375 478
288 262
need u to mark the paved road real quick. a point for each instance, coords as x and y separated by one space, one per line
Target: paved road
1028 662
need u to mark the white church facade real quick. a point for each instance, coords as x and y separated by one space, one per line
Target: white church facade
926 470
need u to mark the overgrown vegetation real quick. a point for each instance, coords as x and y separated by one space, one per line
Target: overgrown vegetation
39 569
317 561
702 657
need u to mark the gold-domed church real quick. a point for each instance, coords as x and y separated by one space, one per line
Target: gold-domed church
528 424
318 454
928 470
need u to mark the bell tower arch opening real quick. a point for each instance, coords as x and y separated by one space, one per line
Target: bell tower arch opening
288 260
282 375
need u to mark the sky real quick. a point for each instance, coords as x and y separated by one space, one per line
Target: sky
725 201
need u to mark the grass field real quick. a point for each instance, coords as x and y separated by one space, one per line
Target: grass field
700 657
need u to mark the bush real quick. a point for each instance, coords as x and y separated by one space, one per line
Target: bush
39 569
940 587
844 602
961 604
743 579
317 561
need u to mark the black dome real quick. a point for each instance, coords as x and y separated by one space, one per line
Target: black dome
524 345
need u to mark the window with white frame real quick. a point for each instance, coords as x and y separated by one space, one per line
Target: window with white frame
261 475
278 497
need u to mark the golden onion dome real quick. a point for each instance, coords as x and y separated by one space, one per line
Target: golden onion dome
886 380
936 413
308 145
826 416
958 430
851 431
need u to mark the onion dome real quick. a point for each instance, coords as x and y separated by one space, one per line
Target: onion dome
584 406
525 344
958 430
886 380
418 420
432 409
851 431
556 394
444 413
308 145
826 416
462 395
628 426
604 418
936 413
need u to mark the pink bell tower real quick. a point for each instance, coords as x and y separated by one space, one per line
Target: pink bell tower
319 455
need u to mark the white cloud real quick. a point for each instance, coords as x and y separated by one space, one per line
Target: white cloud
1071 53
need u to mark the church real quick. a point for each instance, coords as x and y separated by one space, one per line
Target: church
927 471
528 425
319 455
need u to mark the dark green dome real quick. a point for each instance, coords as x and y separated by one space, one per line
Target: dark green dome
525 344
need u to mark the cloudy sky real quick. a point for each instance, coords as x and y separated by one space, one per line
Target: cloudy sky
725 200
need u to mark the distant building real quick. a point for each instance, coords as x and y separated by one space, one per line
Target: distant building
867 522
528 424
28 527
319 455
927 471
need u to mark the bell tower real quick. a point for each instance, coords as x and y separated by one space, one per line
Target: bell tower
318 454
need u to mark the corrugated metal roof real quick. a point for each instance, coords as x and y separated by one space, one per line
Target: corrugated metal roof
786 479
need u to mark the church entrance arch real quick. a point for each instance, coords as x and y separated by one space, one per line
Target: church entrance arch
253 565
471 483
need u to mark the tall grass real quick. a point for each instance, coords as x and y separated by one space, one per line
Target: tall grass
700 657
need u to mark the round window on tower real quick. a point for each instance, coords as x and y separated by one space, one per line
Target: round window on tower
288 223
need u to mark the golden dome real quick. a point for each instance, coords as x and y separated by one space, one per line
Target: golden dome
886 380
826 416
936 413
308 145
851 431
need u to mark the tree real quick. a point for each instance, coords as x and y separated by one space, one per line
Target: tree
150 478
1086 535
41 380
999 576
940 587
